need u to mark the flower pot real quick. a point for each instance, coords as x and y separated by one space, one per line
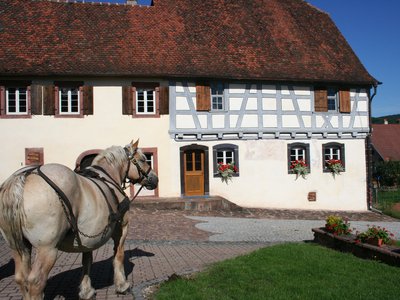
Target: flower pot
375 242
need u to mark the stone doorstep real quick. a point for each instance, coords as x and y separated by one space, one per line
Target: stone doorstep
206 203
387 254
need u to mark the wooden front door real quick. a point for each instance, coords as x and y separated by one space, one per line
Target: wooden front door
194 172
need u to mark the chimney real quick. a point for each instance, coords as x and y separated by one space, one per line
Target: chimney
131 2
385 121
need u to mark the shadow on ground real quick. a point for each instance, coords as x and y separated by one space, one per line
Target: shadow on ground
66 284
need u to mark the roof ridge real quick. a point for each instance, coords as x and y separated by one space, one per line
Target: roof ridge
89 2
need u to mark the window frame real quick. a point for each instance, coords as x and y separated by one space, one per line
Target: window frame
146 101
305 147
4 105
225 147
337 146
69 101
216 88
155 86
334 98
17 101
79 85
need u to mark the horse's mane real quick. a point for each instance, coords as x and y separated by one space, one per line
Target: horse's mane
115 155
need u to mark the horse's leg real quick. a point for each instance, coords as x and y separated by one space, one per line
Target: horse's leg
44 262
22 269
86 291
119 236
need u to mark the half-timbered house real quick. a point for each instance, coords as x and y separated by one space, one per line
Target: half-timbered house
258 83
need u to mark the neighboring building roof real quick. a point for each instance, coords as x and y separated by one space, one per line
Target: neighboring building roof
240 39
386 140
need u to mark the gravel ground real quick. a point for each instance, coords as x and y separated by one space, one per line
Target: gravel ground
267 230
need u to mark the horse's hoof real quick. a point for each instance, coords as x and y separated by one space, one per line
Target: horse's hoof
128 291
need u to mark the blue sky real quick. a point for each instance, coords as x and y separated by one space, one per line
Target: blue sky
372 28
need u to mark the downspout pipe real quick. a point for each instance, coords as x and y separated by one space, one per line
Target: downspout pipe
369 156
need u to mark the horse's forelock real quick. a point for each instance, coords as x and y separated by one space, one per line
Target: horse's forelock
114 155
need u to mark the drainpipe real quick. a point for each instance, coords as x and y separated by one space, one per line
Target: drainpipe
369 155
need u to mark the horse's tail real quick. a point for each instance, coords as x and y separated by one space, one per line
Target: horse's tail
12 214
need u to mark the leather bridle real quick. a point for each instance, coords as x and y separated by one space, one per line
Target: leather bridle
142 173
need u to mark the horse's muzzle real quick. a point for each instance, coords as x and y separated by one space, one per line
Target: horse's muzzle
151 182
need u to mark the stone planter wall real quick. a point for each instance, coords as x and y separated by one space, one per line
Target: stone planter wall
387 254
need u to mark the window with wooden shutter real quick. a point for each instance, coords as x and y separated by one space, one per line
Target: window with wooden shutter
15 99
203 97
344 101
320 100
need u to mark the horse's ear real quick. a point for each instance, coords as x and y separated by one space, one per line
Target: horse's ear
135 145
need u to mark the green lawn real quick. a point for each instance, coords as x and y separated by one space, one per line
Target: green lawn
289 271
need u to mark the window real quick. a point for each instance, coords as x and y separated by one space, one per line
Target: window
149 159
16 101
217 96
210 96
69 101
332 99
298 151
332 151
145 100
225 153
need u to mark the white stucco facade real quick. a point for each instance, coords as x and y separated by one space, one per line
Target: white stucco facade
261 120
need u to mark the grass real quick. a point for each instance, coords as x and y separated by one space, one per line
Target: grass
289 271
386 200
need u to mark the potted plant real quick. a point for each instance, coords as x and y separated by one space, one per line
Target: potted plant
300 168
337 225
226 171
335 166
375 235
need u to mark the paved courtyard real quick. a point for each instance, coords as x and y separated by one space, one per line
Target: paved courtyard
162 243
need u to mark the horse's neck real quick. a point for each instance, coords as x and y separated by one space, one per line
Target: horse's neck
111 173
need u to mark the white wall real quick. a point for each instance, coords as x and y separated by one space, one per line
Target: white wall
64 139
264 181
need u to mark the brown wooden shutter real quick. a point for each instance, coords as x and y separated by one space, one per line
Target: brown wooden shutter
344 101
127 100
203 97
164 100
87 92
320 99
36 99
2 100
49 99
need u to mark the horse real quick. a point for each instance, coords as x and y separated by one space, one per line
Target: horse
52 208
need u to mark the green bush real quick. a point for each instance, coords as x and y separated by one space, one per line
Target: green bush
387 173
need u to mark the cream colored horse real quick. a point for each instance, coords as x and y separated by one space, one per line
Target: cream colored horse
34 214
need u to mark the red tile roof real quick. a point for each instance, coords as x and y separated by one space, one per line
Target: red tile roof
241 39
386 140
